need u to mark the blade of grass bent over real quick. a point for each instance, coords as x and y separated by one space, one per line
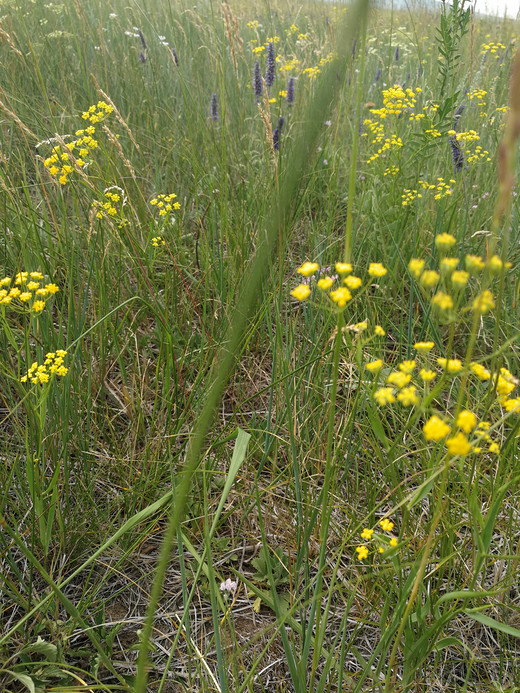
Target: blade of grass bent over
298 157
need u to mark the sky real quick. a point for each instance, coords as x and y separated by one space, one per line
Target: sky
498 7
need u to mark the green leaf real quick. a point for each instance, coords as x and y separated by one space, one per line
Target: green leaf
23 679
492 623
377 427
461 595
47 649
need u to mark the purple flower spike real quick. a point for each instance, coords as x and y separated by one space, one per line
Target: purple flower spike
270 71
290 91
213 108
257 82
277 133
457 154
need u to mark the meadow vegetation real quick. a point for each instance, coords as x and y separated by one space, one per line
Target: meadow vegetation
259 331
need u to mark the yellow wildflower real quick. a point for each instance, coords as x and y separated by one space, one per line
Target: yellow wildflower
423 347
415 267
458 445
445 241
341 296
386 525
352 282
459 279
427 375
429 279
484 302
407 366
466 420
343 267
325 283
376 269
301 292
450 365
374 366
435 428
385 395
408 396
442 301
362 552
308 269
399 379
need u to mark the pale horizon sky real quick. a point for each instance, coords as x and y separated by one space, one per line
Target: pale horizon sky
498 7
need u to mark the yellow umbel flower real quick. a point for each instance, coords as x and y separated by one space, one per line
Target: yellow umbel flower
343 267
458 445
435 428
408 396
385 395
445 241
308 269
374 366
484 302
376 269
341 296
423 347
450 365
362 552
466 420
325 283
415 267
301 292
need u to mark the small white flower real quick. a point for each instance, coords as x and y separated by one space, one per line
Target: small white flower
228 586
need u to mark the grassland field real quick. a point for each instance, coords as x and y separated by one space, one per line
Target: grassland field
259 327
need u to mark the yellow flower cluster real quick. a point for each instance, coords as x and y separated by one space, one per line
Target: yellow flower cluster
342 293
376 128
465 434
62 160
53 365
97 113
112 206
449 281
393 142
157 241
289 65
492 48
165 204
440 189
311 72
396 100
26 289
384 541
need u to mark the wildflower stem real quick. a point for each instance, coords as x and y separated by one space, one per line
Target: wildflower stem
326 505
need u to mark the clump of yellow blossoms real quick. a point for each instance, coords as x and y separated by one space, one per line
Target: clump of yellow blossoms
53 365
338 288
383 541
410 383
157 241
98 112
26 290
449 282
440 188
64 158
112 205
165 204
